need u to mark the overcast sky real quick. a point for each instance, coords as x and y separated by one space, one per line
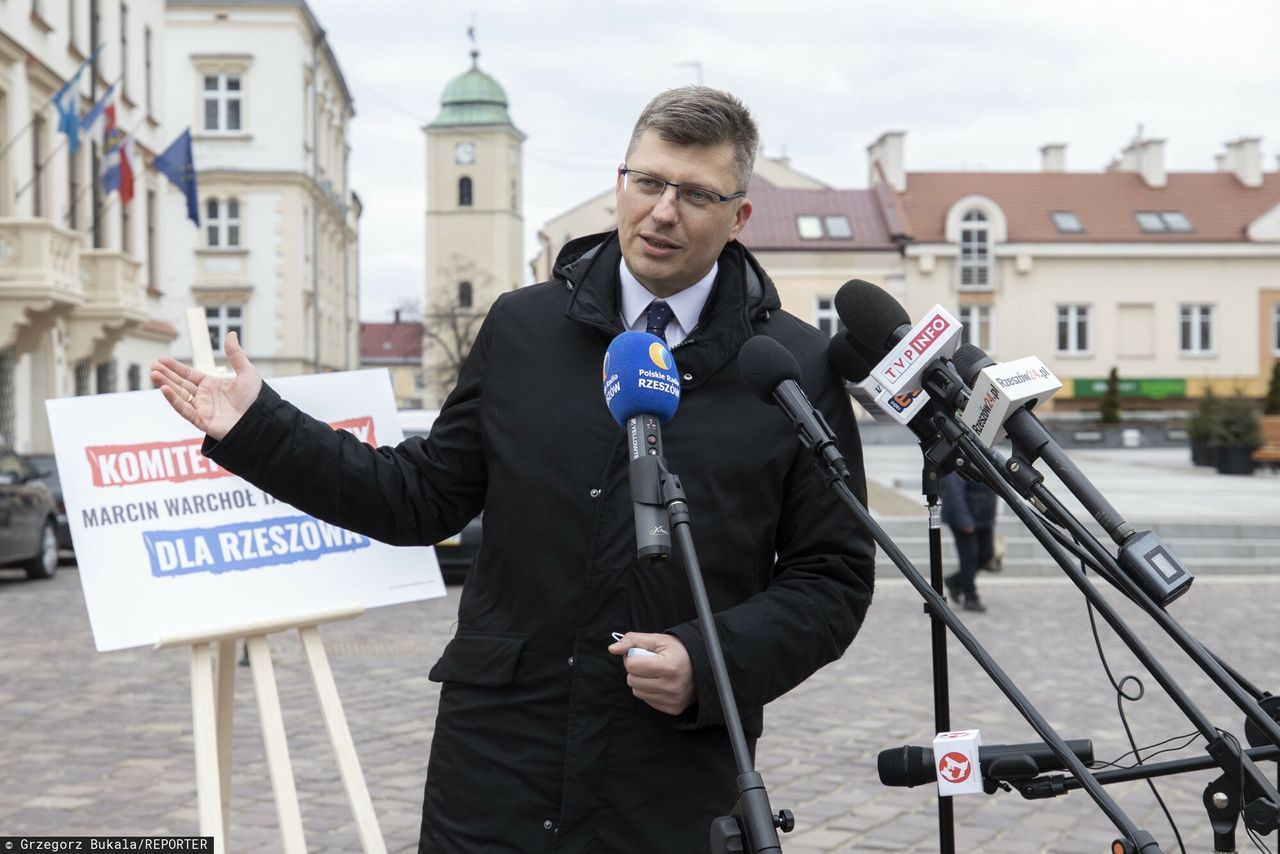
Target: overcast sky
976 85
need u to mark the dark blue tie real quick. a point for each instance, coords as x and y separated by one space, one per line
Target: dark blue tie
658 315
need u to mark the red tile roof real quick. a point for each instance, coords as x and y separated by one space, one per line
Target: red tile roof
774 210
390 342
1219 206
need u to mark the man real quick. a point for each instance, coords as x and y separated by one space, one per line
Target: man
969 509
548 737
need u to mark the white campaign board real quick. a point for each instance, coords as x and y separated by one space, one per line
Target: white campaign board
169 544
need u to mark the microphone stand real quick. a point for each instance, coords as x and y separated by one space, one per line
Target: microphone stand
945 384
1031 484
1221 798
752 820
931 481
1135 839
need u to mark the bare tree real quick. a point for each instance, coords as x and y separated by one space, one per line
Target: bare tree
451 322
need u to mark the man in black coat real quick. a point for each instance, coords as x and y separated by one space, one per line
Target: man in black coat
548 737
969 509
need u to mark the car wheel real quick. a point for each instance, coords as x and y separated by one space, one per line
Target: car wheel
45 563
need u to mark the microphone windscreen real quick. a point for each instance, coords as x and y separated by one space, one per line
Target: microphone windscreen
764 363
870 314
846 360
905 766
640 378
969 359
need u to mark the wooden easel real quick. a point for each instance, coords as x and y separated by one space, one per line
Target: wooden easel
212 708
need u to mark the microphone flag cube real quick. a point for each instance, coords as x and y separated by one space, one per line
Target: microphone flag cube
1001 389
955 755
936 336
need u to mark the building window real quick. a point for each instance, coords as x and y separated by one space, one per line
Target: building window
73 190
515 201
1073 329
826 318
978 326
222 99
153 275
1159 222
72 29
222 223
146 68
464 192
124 49
1275 329
135 377
106 372
82 372
126 229
975 251
464 295
809 227
37 167
1067 222
814 227
1196 323
222 319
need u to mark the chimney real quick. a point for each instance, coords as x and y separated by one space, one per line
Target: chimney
1244 160
886 153
1146 157
396 315
1220 162
1053 157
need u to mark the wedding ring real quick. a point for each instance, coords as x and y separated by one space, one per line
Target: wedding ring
191 395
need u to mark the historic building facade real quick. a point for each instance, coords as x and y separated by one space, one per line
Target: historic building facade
275 256
80 270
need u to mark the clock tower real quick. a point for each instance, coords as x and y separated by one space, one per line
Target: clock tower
475 230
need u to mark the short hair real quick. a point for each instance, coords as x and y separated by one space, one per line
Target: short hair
700 115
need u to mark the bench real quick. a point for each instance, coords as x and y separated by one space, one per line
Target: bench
1270 450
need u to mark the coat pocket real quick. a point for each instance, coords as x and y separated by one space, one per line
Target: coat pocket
487 659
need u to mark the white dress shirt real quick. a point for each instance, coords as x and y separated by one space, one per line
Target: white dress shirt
686 306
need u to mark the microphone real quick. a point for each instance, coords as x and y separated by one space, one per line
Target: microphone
881 325
642 390
773 375
1148 560
914 766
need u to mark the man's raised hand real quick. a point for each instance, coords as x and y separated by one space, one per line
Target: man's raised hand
213 404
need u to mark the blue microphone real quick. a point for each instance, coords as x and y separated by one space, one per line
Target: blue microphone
642 389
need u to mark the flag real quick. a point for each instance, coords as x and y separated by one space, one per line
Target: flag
177 164
68 116
65 100
93 122
117 171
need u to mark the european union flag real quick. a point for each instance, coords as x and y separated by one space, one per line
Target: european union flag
177 164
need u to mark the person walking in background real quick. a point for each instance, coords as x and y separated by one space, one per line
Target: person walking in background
969 510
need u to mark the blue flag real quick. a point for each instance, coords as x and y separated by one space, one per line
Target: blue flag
176 164
65 100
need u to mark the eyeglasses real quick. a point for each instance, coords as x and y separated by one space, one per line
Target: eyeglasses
633 180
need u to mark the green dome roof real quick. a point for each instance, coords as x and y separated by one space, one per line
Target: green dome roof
473 98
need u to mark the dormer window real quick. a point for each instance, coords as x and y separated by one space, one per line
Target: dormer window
1067 222
1161 222
814 227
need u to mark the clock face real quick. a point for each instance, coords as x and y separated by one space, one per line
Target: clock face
464 153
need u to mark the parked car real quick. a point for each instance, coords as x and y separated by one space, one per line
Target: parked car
46 466
28 518
457 553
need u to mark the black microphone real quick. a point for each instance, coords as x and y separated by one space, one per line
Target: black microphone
911 765
875 320
773 375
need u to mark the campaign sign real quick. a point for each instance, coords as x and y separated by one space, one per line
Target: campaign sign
170 544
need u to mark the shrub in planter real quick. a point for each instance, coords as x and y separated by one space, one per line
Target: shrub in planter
1109 409
1271 406
1235 434
1199 426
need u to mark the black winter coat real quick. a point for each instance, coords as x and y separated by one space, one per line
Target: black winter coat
967 503
539 745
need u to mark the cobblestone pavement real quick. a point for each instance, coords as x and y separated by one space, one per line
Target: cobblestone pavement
101 743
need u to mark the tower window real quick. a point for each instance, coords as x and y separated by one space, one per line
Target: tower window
464 192
464 295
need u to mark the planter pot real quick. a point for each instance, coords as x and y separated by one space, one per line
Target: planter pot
1234 460
1201 453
